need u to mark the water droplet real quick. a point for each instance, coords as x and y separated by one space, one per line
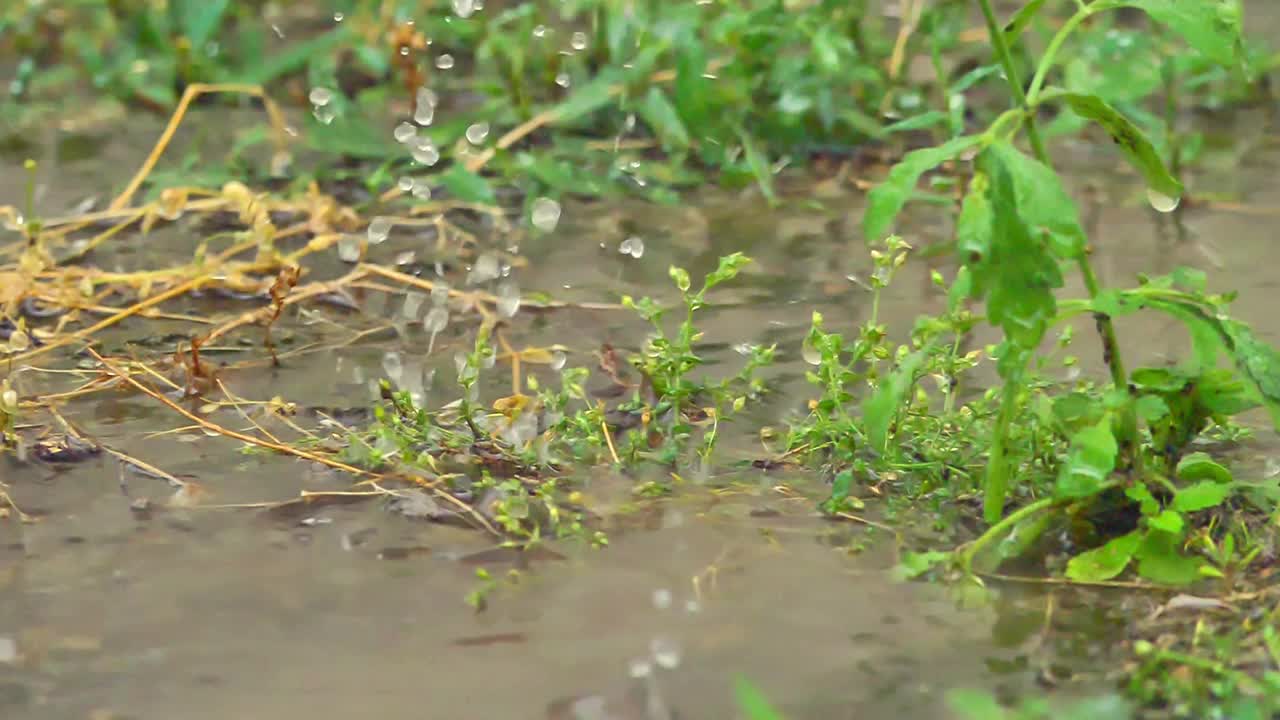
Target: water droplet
324 114
692 607
633 246
424 111
421 189
440 294
477 133
405 183
545 214
436 320
558 359
662 598
379 229
404 132
338 17
665 652
508 299
320 96
579 41
486 268
640 669
393 367
413 305
1161 202
445 61
540 31
464 8
562 79
810 353
425 152
349 249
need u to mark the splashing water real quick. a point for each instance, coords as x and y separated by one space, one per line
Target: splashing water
1162 203
425 107
545 214
323 114
413 305
665 652
440 294
633 246
379 229
508 299
435 321
477 133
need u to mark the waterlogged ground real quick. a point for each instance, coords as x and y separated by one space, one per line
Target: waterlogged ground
192 609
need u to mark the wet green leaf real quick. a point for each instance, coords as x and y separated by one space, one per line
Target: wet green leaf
1160 560
752 701
914 564
976 705
1089 463
1199 466
1135 145
1212 27
467 186
1042 201
1167 521
1021 19
917 122
974 226
1141 494
294 58
658 112
881 409
840 488
199 19
887 199
1105 562
1258 361
1202 495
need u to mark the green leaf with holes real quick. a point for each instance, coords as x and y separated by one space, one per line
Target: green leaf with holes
1135 145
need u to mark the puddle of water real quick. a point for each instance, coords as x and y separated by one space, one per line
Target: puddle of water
343 609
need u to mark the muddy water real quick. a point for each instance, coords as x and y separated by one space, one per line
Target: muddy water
198 610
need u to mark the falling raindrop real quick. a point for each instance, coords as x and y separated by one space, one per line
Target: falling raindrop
558 359
545 214
579 41
404 132
440 294
445 61
562 79
486 268
413 305
323 114
662 598
540 31
508 299
633 246
379 229
477 133
640 668
425 108
810 353
349 249
405 183
464 8
421 189
338 17
393 367
425 152
665 652
320 96
1161 202
436 320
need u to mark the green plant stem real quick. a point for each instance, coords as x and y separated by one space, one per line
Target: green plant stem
1051 53
965 556
1128 421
